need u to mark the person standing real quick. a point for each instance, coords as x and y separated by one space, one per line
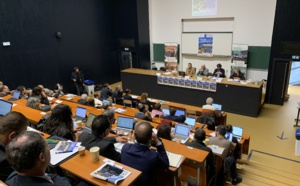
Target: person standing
77 78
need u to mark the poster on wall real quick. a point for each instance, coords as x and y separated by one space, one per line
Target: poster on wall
171 56
239 58
204 7
205 45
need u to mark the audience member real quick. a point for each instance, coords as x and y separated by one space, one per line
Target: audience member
145 101
33 102
142 113
140 157
60 123
29 155
105 92
78 79
11 125
118 95
4 90
83 99
172 116
129 97
237 150
237 74
90 102
164 131
100 129
58 89
23 92
190 71
219 71
181 119
229 161
156 112
203 71
210 111
98 103
39 93
199 137
105 106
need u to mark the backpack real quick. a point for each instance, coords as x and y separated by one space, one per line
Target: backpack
42 122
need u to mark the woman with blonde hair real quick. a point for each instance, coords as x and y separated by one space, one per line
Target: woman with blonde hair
145 101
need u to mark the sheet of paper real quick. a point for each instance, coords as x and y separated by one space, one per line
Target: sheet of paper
168 73
134 96
216 149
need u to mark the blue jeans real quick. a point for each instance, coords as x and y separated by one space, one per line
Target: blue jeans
230 164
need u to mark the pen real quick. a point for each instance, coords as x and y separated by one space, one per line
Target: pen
62 152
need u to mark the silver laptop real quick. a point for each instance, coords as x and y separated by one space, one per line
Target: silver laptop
182 132
166 111
179 112
125 124
88 126
237 132
5 107
190 121
217 106
106 101
80 113
16 96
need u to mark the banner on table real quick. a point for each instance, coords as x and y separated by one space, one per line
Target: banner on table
205 45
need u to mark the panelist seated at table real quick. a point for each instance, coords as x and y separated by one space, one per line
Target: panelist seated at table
219 71
140 157
190 71
157 111
172 116
203 71
237 74
11 124
145 101
29 155
100 129
143 113
199 137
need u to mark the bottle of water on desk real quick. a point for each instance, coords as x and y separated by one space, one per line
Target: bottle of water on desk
218 76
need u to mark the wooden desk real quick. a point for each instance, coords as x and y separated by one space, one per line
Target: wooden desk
141 80
82 166
2 183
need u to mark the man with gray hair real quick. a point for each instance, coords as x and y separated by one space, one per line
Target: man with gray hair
203 71
83 99
210 111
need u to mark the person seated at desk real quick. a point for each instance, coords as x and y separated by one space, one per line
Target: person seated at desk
181 120
4 91
118 95
129 97
237 74
199 137
229 161
140 157
237 151
105 92
145 101
58 89
156 112
11 124
172 116
164 131
23 92
98 103
83 99
60 123
39 93
90 102
190 71
210 111
33 102
219 71
101 126
203 71
142 113
105 106
29 155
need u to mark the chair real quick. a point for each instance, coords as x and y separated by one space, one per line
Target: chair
209 74
165 106
162 68
127 102
195 69
154 68
181 73
190 112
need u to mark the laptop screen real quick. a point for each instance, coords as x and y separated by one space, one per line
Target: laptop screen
106 101
125 122
81 112
179 112
90 120
217 106
5 107
190 121
16 94
183 130
166 111
228 136
237 131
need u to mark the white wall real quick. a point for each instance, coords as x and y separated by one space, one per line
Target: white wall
253 21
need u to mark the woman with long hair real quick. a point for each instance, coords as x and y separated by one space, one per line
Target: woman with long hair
145 101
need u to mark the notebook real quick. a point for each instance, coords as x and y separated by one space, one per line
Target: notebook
5 107
174 159
190 121
182 132
166 111
88 125
179 112
217 106
125 124
80 113
237 132
16 96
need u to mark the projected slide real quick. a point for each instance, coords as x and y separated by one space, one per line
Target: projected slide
204 7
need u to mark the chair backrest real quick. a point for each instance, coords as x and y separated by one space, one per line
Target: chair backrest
209 74
127 102
162 68
165 106
154 68
190 112
195 69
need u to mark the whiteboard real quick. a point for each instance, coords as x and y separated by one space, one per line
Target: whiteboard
222 43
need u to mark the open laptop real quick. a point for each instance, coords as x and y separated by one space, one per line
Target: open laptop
217 106
190 121
106 101
80 113
88 126
182 132
228 136
125 124
16 96
166 111
237 132
5 107
179 112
